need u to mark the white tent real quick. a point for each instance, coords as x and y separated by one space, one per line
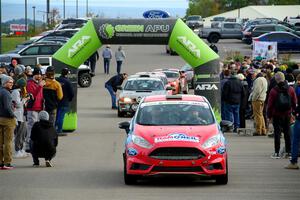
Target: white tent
252 12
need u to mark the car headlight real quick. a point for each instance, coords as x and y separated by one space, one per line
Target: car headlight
141 142
213 141
126 100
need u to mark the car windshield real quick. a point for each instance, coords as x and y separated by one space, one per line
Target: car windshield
194 18
172 74
182 113
144 84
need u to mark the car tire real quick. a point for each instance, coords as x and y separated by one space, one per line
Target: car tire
213 38
128 178
223 179
84 80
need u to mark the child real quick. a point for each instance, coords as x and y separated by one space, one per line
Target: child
44 140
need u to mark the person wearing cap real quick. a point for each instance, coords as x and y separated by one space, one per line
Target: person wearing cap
36 103
52 94
244 100
19 97
107 56
257 98
281 117
63 105
28 72
7 122
44 140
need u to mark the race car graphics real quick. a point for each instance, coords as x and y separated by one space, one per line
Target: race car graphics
176 137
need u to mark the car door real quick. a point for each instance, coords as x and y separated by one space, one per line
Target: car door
262 30
28 56
228 30
238 31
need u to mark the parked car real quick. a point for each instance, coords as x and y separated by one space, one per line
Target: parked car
137 87
225 30
194 21
259 21
41 53
293 20
71 23
255 31
171 135
189 74
286 41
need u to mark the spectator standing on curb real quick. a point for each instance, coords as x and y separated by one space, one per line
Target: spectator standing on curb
63 105
112 84
183 83
11 67
107 56
44 140
226 76
19 98
258 97
120 57
231 95
7 123
36 103
282 101
244 100
52 94
296 132
93 60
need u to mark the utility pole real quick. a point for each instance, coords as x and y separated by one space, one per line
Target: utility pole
0 27
26 20
33 7
64 9
76 8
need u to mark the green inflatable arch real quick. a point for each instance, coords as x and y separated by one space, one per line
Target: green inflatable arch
173 32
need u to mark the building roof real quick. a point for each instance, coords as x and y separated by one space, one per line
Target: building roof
252 12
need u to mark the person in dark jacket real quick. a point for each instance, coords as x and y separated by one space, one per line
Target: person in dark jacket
7 122
112 84
231 95
92 61
44 140
281 119
63 105
244 101
296 131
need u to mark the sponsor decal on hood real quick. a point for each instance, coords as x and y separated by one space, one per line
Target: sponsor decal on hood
177 137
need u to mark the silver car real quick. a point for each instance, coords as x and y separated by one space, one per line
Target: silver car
135 88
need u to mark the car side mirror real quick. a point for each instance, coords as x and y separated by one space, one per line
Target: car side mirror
226 125
119 87
125 125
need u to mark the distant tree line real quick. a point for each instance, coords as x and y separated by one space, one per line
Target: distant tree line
207 8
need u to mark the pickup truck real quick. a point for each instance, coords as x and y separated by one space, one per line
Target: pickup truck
225 30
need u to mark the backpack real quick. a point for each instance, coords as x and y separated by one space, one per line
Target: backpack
283 101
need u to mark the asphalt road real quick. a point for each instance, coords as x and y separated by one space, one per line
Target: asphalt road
89 164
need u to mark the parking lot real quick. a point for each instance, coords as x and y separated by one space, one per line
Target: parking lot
89 165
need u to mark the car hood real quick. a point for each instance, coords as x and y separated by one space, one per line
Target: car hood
160 135
141 93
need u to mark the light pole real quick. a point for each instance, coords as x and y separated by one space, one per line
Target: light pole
64 8
48 13
87 8
76 8
26 20
33 7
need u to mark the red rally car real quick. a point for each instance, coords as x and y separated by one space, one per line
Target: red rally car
176 134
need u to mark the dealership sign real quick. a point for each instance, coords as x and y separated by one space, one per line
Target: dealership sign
156 14
18 27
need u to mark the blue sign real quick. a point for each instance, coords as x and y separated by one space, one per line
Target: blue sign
155 14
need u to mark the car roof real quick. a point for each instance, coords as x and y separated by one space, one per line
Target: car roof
279 32
138 77
154 98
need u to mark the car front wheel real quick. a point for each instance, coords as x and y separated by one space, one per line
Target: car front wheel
223 179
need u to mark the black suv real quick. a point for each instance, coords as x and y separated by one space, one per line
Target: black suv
41 53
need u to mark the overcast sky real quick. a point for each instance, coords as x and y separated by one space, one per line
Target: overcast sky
112 3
